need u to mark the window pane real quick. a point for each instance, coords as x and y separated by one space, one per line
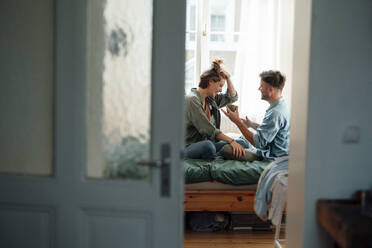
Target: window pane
190 62
217 37
236 38
191 40
118 88
191 15
218 22
225 18
222 15
26 90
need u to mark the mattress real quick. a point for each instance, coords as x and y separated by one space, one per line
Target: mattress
224 171
218 186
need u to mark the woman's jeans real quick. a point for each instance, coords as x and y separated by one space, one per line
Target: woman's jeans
206 149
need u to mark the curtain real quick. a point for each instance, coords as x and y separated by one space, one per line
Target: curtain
265 43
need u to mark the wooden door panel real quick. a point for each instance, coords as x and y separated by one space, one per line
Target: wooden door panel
27 226
114 228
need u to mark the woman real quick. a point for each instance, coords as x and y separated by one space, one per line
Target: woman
203 137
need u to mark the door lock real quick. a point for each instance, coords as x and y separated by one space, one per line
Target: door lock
164 165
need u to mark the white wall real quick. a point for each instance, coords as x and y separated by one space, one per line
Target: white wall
339 86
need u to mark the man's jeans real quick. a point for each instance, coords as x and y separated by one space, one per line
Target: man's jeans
206 149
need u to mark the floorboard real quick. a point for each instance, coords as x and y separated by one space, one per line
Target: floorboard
231 239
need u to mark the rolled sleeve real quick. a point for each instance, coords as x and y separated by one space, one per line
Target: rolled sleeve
224 99
200 120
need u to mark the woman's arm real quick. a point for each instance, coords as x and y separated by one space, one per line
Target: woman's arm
238 150
229 97
230 87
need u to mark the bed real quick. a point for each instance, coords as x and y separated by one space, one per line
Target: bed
216 196
225 185
221 185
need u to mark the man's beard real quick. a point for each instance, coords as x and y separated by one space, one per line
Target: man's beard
264 97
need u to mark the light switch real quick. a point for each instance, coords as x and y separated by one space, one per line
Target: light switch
351 135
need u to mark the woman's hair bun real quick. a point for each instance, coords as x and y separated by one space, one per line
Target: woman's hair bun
217 65
216 74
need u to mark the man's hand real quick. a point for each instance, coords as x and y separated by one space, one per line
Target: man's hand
233 116
247 122
238 150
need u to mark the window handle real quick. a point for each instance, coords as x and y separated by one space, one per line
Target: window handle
205 30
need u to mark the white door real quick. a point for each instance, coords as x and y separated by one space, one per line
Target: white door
88 89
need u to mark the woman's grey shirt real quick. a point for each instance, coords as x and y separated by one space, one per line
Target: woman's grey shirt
198 127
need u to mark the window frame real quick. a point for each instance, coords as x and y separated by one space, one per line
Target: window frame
202 44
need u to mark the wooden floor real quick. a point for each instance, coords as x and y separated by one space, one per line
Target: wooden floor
231 239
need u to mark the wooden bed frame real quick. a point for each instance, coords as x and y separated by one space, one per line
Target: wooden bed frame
226 200
219 200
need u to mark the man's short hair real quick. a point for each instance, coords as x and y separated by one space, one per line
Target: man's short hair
273 78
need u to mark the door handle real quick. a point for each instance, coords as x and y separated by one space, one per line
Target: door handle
164 165
151 164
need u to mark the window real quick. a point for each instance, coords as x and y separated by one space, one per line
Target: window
212 31
217 25
250 36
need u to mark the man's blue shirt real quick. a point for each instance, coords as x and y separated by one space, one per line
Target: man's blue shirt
272 137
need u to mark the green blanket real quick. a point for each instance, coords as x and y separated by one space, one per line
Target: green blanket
224 171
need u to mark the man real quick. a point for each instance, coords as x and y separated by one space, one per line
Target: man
272 137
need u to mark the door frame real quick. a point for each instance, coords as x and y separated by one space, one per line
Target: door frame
299 119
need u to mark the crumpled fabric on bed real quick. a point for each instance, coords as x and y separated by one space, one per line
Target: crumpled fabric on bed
197 170
224 171
279 197
264 190
237 172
